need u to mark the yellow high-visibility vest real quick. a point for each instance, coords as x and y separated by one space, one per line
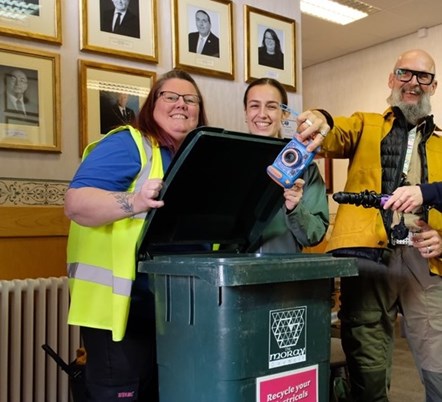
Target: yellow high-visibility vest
101 260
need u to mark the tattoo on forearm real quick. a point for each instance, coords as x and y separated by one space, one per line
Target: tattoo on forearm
126 202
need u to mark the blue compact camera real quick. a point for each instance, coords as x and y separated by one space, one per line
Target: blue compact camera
290 163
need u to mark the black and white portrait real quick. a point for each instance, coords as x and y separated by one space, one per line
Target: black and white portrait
22 8
120 17
19 95
202 40
270 52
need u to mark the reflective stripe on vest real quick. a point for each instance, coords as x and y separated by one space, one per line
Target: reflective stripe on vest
102 276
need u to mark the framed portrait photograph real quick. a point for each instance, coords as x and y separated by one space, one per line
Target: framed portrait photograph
32 19
122 28
203 32
29 99
270 41
110 96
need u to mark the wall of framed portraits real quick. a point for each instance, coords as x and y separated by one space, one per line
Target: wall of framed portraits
62 49
71 64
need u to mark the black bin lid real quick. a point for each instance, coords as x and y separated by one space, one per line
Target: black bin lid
216 190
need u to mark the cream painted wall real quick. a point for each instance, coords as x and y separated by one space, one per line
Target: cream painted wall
223 97
358 82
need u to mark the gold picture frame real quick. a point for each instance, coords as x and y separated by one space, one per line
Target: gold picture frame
281 33
137 38
217 56
99 82
29 100
38 20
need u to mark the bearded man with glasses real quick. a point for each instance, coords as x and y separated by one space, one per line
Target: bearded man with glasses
398 254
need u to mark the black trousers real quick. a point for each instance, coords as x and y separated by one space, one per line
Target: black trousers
122 371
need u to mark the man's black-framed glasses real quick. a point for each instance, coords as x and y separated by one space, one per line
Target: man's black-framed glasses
172 97
406 75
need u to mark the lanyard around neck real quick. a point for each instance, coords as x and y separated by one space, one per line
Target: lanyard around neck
410 145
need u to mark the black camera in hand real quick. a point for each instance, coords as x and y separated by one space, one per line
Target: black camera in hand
366 198
290 163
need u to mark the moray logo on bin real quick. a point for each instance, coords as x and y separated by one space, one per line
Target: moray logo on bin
287 343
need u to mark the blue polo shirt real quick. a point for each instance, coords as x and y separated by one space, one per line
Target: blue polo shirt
112 164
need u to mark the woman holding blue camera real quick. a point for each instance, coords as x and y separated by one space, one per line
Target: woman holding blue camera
304 218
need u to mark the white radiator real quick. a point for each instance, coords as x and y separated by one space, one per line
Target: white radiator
34 312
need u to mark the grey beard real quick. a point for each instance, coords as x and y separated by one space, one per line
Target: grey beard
412 113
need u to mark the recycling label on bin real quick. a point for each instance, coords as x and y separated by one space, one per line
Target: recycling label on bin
289 386
288 336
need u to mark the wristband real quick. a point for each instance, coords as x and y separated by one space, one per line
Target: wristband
328 117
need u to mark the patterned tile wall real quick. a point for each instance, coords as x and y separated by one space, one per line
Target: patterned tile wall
28 192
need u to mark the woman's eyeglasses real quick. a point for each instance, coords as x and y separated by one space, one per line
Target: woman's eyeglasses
172 97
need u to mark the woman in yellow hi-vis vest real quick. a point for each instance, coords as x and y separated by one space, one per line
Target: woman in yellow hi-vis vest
117 182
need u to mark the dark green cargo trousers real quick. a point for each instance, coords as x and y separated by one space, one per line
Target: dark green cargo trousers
368 313
369 306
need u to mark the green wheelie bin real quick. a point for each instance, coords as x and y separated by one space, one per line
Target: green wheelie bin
234 325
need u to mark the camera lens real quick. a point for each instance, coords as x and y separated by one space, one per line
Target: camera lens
290 157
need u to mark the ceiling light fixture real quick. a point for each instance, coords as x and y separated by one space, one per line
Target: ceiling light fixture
333 11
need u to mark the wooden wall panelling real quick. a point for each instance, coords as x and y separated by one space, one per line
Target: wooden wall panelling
32 241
